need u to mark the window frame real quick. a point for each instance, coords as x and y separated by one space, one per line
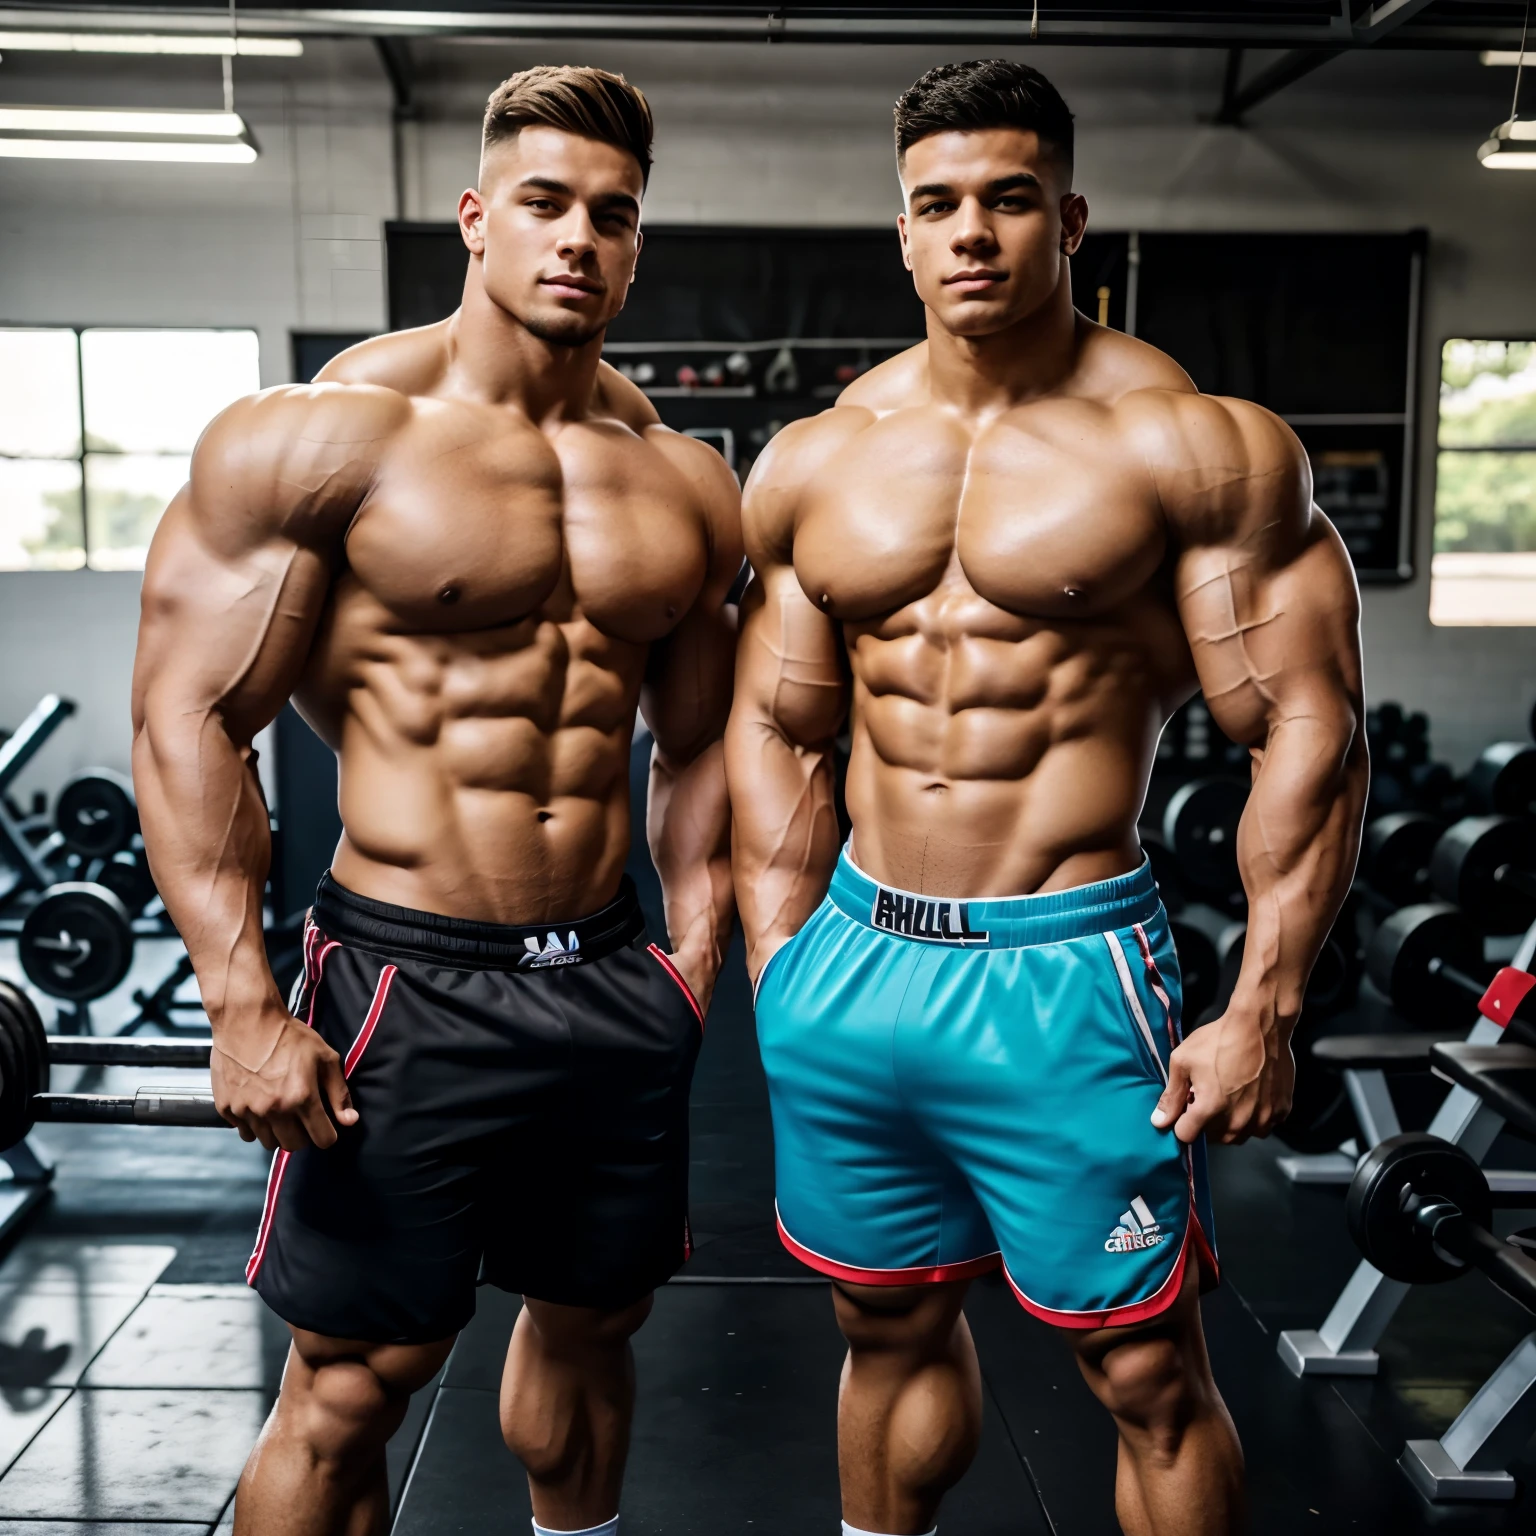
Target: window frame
1528 338
85 451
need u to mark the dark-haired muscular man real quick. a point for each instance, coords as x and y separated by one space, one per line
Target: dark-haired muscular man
1011 552
467 555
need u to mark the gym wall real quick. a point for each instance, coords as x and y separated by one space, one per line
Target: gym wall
747 135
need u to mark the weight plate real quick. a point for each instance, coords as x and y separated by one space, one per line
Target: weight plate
127 876
1387 1235
1466 864
15 1084
1503 779
1200 825
1395 855
96 813
33 1034
1398 962
77 942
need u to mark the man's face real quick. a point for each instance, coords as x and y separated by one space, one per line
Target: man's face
556 223
987 221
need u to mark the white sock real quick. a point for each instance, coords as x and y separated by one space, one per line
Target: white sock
607 1528
853 1530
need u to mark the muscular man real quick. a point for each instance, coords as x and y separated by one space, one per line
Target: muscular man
467 556
1011 553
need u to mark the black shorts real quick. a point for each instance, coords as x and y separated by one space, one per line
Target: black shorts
523 1104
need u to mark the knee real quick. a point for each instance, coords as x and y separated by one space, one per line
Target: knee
1153 1389
343 1411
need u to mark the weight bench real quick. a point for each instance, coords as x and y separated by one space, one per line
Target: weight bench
1345 1344
1469 1460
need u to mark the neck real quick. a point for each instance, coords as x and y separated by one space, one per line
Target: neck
983 375
495 358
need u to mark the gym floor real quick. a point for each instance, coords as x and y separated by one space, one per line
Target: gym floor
135 1367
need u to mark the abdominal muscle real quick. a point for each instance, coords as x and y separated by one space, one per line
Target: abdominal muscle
482 775
1036 789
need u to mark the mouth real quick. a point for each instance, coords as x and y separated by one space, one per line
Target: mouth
570 285
981 280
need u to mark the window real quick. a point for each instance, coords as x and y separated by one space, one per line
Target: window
1484 569
96 432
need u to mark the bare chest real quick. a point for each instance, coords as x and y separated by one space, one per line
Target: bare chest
478 521
1026 520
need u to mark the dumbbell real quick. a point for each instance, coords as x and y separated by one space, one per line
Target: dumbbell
1428 958
27 1052
1200 825
1486 865
1394 858
1420 1210
1503 779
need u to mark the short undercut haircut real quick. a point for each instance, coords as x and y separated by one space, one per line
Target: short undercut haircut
984 93
576 99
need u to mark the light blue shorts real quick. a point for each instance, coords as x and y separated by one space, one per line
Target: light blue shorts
962 1084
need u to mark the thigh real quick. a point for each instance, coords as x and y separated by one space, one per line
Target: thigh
1037 1071
587 1195
863 1194
377 1238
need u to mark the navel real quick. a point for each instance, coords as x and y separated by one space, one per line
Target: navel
546 815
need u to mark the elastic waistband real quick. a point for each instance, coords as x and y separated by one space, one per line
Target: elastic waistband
462 944
991 922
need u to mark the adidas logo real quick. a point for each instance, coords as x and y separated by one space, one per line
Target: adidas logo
553 952
1138 1229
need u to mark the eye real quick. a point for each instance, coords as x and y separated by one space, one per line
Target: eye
936 207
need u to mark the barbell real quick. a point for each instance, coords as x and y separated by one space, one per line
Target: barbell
27 1052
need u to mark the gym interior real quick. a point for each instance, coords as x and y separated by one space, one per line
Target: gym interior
1300 203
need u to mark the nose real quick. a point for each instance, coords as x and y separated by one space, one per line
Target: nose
576 236
972 230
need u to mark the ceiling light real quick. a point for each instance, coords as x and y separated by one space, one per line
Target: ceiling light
1511 57
206 125
93 133
205 152
147 42
1511 148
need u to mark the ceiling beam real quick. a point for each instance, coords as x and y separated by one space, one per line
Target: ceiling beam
1286 70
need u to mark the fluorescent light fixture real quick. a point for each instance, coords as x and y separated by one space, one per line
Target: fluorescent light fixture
1509 56
94 133
150 42
1511 147
233 152
206 125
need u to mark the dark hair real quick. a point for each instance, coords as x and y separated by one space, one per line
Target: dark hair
984 93
577 99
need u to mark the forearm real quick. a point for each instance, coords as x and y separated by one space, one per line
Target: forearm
1297 846
785 835
688 826
208 839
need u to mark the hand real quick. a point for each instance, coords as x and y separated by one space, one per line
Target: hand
274 1080
700 968
1232 1079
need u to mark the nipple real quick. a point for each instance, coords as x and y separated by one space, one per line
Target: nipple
825 600
448 595
671 610
1073 592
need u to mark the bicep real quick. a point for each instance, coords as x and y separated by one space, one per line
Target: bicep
1275 633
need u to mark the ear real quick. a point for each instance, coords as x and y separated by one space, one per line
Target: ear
1074 222
472 220
901 231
